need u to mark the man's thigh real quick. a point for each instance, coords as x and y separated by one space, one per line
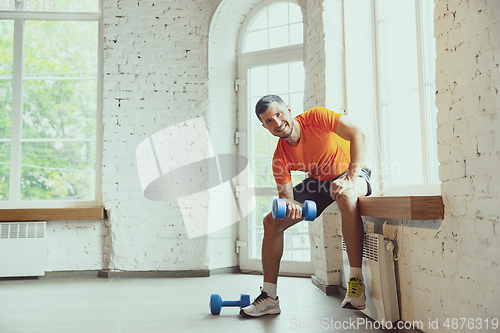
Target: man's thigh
319 191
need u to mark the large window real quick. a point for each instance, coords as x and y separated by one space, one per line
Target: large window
49 104
401 107
408 112
271 62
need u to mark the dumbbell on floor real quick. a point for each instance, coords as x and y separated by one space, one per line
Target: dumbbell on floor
309 209
216 303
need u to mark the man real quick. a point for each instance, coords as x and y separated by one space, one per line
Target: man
331 148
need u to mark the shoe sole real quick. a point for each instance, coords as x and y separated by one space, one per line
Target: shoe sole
244 314
348 305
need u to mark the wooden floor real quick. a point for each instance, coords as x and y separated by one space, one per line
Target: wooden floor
130 305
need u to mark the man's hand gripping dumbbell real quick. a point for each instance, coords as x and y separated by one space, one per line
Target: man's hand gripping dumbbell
281 209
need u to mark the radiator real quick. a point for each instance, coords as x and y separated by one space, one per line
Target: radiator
379 278
22 249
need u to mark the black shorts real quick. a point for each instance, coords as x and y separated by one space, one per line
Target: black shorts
319 191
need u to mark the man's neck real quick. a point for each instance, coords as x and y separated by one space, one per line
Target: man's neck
294 138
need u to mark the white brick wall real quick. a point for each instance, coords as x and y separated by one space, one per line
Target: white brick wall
324 55
314 56
74 245
155 75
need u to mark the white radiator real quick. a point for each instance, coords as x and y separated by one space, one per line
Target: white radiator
379 279
22 249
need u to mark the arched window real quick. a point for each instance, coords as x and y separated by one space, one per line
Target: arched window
278 24
270 58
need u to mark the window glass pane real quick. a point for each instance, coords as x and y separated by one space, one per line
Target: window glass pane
6 65
7 47
258 81
297 103
277 25
256 41
296 34
278 37
4 170
60 48
60 83
256 229
402 117
400 93
296 76
296 246
278 14
260 21
58 170
278 79
294 13
61 5
59 109
9 5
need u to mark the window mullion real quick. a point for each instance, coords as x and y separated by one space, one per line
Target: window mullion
421 91
16 129
382 151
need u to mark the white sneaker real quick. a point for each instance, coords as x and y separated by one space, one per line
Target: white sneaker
261 306
355 298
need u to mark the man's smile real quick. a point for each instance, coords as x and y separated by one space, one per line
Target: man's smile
281 128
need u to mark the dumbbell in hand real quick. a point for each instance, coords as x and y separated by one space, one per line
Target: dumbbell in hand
309 209
216 303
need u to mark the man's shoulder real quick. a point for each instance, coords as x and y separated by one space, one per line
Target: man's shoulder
315 115
313 111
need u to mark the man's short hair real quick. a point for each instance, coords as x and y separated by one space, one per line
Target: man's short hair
265 102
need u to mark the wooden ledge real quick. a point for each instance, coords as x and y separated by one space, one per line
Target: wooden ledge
404 208
52 214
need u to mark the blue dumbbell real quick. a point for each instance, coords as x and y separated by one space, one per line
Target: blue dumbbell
216 303
309 209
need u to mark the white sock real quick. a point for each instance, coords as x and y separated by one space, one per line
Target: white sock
356 271
270 289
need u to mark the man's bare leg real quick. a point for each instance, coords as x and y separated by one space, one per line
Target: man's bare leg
272 246
353 232
272 250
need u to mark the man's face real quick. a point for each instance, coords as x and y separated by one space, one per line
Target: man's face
278 120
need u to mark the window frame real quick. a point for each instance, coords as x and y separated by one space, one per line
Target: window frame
372 64
424 102
19 17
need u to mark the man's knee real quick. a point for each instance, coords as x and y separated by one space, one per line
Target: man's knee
270 224
348 199
273 226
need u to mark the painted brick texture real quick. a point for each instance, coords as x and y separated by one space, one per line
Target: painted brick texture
155 76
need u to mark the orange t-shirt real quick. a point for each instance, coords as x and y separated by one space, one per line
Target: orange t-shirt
321 152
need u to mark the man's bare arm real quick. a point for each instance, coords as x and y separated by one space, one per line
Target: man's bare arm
348 130
285 191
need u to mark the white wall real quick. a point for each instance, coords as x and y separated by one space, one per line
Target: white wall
155 76
465 260
75 245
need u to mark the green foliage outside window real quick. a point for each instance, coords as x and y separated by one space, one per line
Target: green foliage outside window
59 101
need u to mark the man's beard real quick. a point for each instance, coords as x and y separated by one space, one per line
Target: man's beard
291 131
